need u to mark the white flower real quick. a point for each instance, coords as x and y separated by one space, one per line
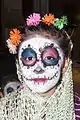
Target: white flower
12 48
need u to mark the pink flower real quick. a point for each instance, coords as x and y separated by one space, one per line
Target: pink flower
21 86
33 19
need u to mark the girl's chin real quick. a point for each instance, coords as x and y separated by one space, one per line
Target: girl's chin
42 90
46 92
40 85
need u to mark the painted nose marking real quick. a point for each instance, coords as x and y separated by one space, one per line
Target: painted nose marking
38 70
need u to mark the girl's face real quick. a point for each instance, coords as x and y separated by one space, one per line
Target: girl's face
41 62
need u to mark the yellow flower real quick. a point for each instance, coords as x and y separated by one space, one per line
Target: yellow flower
15 37
48 19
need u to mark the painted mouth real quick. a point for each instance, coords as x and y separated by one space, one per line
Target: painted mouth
42 80
39 80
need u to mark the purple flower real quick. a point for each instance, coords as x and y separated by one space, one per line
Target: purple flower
33 19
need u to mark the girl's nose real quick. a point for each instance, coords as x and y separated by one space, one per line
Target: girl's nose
38 70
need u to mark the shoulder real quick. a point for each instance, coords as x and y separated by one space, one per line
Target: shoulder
77 105
15 97
9 98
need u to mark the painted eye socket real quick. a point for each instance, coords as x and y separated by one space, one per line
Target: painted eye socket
28 57
50 56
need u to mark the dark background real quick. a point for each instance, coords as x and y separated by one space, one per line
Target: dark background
13 14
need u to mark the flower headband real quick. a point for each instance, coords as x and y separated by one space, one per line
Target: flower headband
34 20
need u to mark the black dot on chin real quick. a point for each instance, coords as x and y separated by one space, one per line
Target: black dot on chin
28 45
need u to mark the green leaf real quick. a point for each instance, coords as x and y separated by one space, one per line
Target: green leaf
61 22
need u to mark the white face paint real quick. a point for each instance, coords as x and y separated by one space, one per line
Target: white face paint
41 61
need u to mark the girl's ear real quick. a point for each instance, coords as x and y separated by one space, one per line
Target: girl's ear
66 64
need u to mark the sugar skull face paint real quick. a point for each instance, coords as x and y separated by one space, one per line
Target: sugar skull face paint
41 63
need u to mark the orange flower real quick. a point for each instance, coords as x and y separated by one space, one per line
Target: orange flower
48 19
15 37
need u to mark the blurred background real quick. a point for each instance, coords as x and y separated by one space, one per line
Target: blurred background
13 13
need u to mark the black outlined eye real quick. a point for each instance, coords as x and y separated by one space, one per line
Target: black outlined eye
28 57
50 56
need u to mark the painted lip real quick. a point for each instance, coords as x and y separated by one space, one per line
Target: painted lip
39 80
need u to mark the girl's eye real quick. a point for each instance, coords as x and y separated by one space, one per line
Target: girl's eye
50 56
28 57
